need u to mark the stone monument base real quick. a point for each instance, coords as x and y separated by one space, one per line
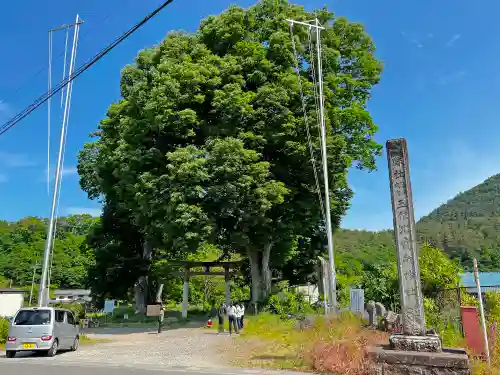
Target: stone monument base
387 361
427 343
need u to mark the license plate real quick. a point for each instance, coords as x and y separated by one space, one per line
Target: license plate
29 346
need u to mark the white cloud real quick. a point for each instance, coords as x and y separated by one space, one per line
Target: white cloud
66 172
16 160
5 109
451 78
83 210
69 171
412 38
453 39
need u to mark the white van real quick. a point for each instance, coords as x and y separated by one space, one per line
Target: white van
44 329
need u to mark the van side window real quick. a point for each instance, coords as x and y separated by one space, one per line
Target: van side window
59 316
71 319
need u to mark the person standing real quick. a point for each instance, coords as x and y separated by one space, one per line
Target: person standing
242 318
237 312
231 315
220 314
161 318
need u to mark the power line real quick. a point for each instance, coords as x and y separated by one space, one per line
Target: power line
42 99
306 122
44 68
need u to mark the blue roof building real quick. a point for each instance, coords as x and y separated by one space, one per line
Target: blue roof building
490 282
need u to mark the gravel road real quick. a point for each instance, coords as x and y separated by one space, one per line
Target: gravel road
180 348
183 351
23 368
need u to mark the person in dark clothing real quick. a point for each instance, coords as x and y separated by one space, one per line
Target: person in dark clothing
221 312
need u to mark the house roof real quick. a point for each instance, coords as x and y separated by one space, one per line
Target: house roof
487 279
71 292
10 290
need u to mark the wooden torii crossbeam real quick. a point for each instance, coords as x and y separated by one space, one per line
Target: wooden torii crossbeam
229 271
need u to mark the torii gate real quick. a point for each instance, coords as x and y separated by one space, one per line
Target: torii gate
228 272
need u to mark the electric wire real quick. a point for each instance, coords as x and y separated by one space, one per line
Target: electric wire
306 122
44 68
43 98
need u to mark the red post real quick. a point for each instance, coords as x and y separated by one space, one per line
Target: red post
472 330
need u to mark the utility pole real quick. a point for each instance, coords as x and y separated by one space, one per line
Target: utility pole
332 290
33 282
43 292
481 311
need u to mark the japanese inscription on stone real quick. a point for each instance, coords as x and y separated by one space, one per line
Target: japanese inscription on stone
412 306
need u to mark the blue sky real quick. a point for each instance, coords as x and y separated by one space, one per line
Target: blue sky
440 90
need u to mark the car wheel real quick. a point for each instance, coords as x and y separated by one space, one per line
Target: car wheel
53 349
10 354
76 344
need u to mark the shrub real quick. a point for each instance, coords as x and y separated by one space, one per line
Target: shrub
492 307
287 303
78 309
4 330
468 300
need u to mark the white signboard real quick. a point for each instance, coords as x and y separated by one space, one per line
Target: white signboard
357 297
109 306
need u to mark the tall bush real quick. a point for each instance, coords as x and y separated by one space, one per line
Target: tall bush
4 330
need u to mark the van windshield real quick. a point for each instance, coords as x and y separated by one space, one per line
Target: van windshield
32 318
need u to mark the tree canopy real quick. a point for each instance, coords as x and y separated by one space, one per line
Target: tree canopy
208 141
22 244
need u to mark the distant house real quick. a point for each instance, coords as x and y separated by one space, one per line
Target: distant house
71 295
309 291
11 300
490 282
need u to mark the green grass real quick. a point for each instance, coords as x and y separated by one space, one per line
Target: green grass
333 346
85 340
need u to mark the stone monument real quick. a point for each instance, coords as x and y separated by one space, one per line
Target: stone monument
414 351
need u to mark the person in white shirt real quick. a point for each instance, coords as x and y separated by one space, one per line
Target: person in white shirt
237 310
231 315
242 317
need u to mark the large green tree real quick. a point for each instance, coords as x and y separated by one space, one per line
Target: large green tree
208 142
21 251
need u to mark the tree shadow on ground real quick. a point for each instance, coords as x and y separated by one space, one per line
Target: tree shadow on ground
149 327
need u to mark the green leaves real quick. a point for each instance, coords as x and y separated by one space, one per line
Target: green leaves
209 143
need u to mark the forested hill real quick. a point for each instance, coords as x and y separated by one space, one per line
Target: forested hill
465 227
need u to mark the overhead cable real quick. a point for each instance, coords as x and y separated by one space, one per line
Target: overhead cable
43 98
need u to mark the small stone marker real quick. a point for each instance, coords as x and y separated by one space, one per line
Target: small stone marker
380 310
372 315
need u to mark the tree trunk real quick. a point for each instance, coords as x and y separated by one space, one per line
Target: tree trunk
253 256
159 292
266 276
261 273
141 287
